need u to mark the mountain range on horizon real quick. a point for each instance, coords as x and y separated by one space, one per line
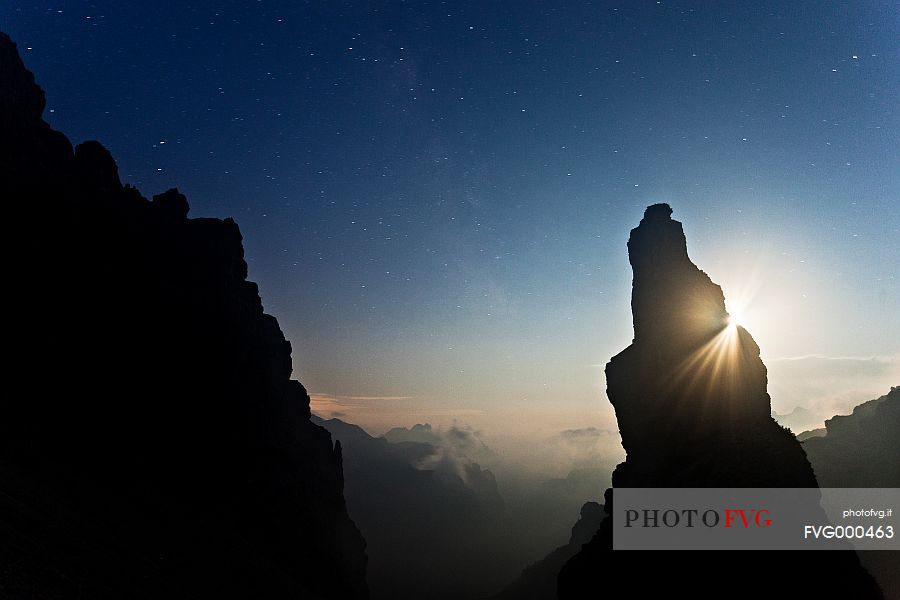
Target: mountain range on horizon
869 442
434 521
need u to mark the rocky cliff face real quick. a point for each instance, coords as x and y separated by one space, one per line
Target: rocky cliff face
155 445
692 407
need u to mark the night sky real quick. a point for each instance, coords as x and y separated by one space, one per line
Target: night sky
435 196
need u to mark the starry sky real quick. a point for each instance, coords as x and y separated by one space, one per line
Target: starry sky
435 196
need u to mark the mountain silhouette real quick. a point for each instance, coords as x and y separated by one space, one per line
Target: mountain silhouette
434 521
862 450
154 445
798 420
691 403
810 433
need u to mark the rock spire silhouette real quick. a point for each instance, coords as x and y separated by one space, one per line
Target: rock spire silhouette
691 402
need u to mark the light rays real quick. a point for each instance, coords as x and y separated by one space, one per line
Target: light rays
711 377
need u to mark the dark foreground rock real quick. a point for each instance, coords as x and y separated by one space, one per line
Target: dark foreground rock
152 443
692 407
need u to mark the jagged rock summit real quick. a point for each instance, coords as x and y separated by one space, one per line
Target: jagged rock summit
690 381
152 442
691 403
673 299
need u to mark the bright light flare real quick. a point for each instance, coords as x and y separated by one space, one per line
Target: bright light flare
736 312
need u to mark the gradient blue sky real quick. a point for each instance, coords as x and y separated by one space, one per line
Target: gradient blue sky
435 196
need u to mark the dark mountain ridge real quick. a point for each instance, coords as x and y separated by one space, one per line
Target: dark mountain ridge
862 450
155 444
